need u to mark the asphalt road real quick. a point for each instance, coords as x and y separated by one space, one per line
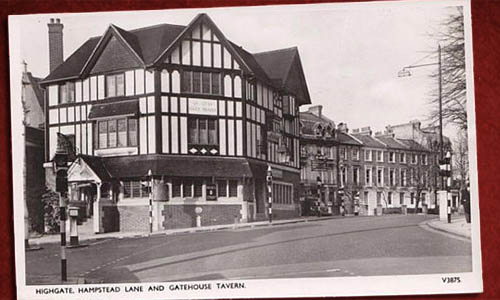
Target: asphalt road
357 246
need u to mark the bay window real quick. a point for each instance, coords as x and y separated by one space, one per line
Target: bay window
116 133
201 83
202 131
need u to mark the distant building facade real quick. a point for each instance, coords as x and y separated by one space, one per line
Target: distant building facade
388 172
200 114
34 121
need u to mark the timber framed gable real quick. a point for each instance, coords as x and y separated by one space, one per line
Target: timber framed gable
202 30
114 51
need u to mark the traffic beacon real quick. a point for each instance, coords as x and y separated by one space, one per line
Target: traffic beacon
445 172
319 185
356 203
60 162
269 180
340 194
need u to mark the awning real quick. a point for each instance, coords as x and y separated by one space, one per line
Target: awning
177 166
123 108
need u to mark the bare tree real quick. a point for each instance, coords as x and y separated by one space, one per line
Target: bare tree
461 159
421 178
450 36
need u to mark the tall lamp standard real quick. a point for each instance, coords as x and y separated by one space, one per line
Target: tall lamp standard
405 72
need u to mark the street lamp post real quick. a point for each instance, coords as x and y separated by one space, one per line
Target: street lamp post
405 72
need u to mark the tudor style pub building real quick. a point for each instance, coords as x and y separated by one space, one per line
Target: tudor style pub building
199 113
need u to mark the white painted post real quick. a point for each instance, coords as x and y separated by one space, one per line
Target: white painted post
97 210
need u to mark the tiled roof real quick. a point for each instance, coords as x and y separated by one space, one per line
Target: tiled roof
138 166
121 108
369 141
277 63
280 65
72 66
391 142
412 145
251 62
147 42
34 81
347 139
97 165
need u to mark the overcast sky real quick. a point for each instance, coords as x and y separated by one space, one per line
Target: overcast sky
350 53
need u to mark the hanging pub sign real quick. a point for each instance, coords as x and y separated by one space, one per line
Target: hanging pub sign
211 192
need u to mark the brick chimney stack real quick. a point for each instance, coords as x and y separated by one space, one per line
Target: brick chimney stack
316 110
55 43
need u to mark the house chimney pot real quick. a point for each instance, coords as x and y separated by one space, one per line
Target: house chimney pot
342 127
56 55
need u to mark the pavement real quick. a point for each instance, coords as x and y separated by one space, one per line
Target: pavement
458 226
36 240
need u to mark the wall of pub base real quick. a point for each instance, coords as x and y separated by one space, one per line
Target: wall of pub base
133 218
279 214
184 215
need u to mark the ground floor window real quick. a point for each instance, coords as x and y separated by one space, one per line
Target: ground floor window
412 198
389 198
187 188
135 189
401 198
227 188
282 193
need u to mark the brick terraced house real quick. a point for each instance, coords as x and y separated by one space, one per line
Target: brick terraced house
328 153
391 172
199 113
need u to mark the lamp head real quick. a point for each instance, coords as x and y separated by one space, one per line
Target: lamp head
405 72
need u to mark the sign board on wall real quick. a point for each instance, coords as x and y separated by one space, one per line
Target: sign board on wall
202 107
211 192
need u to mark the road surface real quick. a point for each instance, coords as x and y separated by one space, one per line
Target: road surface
353 246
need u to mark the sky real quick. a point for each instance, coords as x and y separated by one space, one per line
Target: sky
351 54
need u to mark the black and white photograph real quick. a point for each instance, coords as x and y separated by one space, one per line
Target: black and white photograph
242 152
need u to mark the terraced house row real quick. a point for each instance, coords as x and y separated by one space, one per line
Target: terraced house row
386 172
200 114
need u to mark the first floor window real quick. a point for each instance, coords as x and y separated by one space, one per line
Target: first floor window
392 179
116 133
202 131
368 176
380 176
201 83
